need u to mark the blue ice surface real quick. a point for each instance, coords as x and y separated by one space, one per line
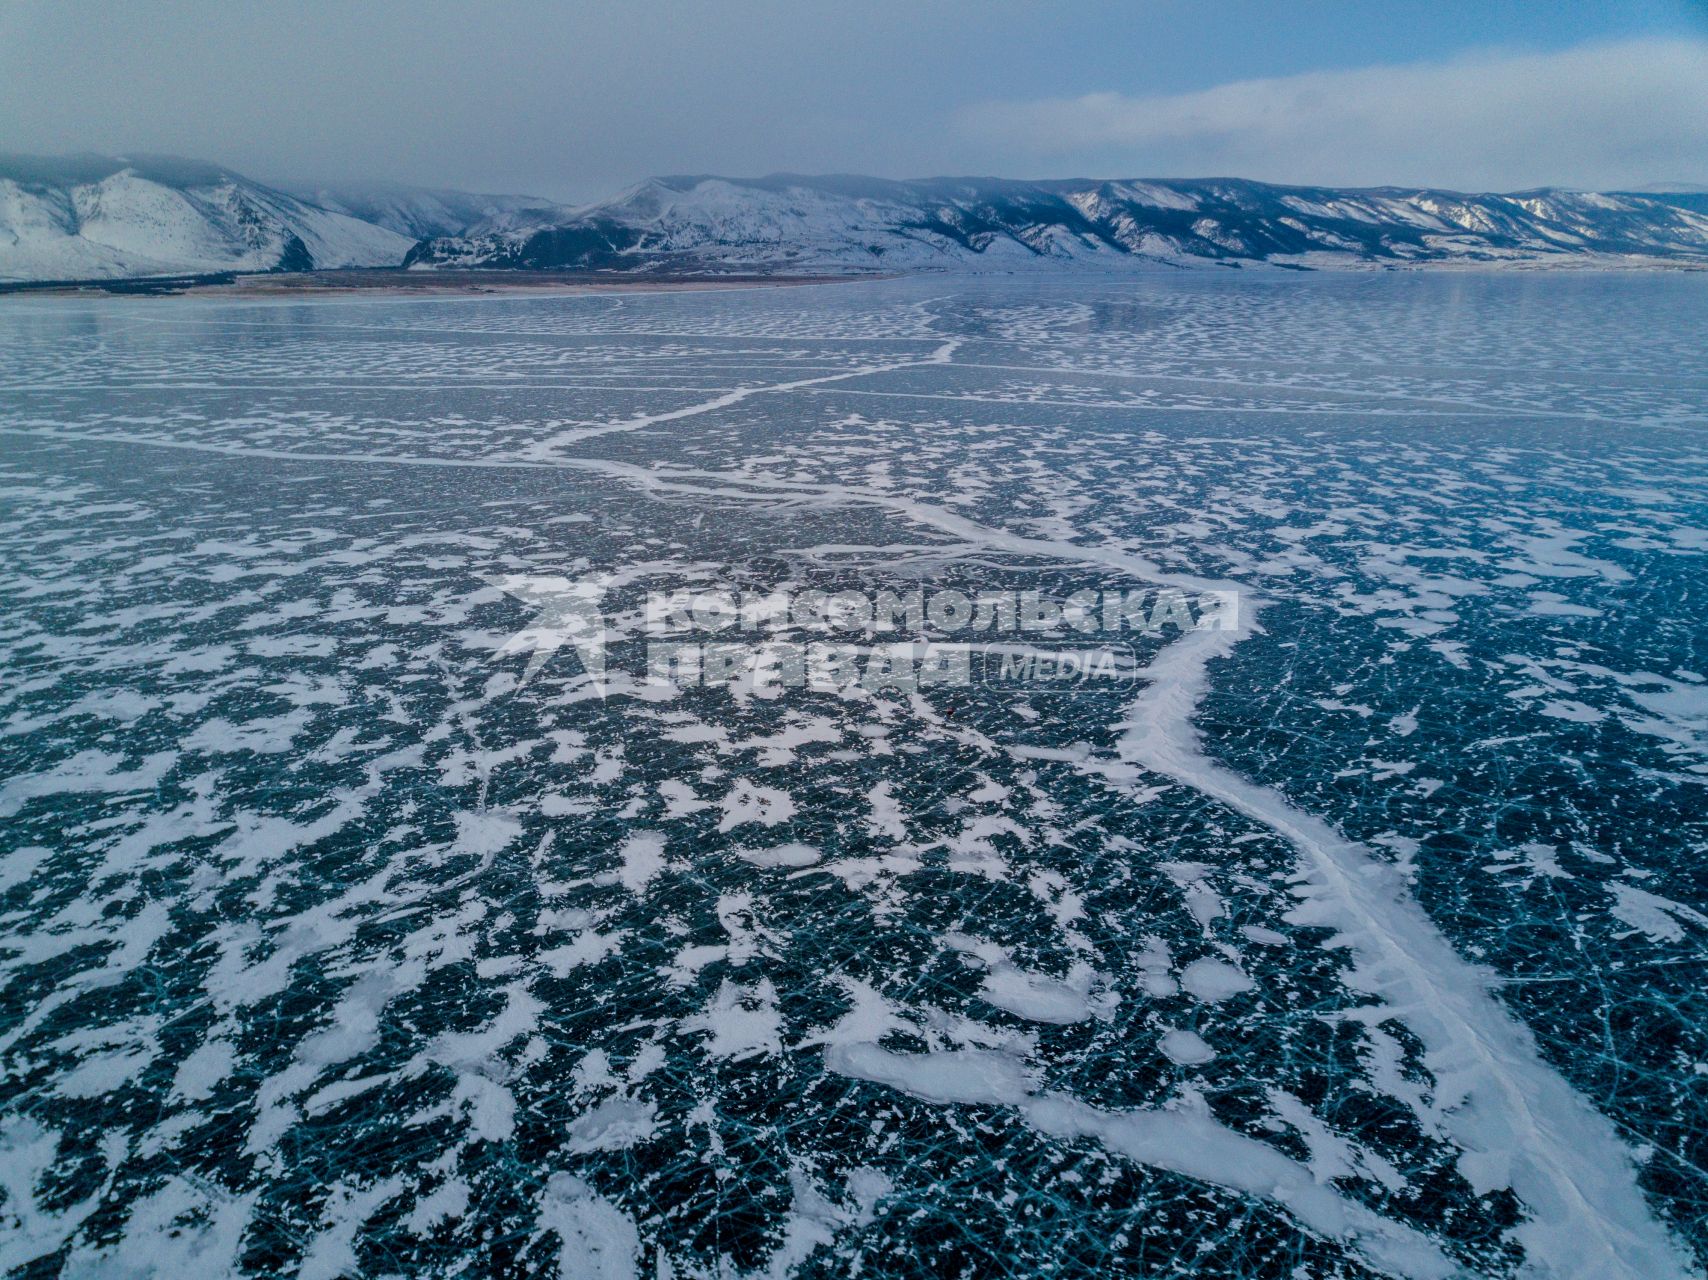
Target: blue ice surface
1365 941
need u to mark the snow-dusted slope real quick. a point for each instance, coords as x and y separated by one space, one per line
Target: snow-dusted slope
99 217
423 212
793 223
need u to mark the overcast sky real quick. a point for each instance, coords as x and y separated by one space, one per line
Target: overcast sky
575 101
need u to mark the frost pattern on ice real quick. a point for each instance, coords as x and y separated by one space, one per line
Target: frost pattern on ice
1365 942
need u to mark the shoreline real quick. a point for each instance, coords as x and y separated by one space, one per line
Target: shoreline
397 282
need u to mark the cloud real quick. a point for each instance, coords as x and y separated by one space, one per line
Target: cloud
1602 115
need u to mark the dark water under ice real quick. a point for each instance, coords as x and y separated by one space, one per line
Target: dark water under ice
1368 940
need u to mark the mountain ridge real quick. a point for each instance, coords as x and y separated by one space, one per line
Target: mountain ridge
96 217
421 213
842 222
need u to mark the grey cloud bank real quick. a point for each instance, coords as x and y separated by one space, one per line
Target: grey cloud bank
574 102
1606 116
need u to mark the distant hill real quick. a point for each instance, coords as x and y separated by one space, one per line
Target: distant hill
790 222
92 217
423 213
1693 198
89 217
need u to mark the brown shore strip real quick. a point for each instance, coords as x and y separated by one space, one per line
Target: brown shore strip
275 284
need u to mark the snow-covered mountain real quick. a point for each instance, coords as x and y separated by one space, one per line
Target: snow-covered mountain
788 222
95 217
99 217
1685 197
426 212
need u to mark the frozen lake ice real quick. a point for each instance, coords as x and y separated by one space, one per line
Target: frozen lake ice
342 934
